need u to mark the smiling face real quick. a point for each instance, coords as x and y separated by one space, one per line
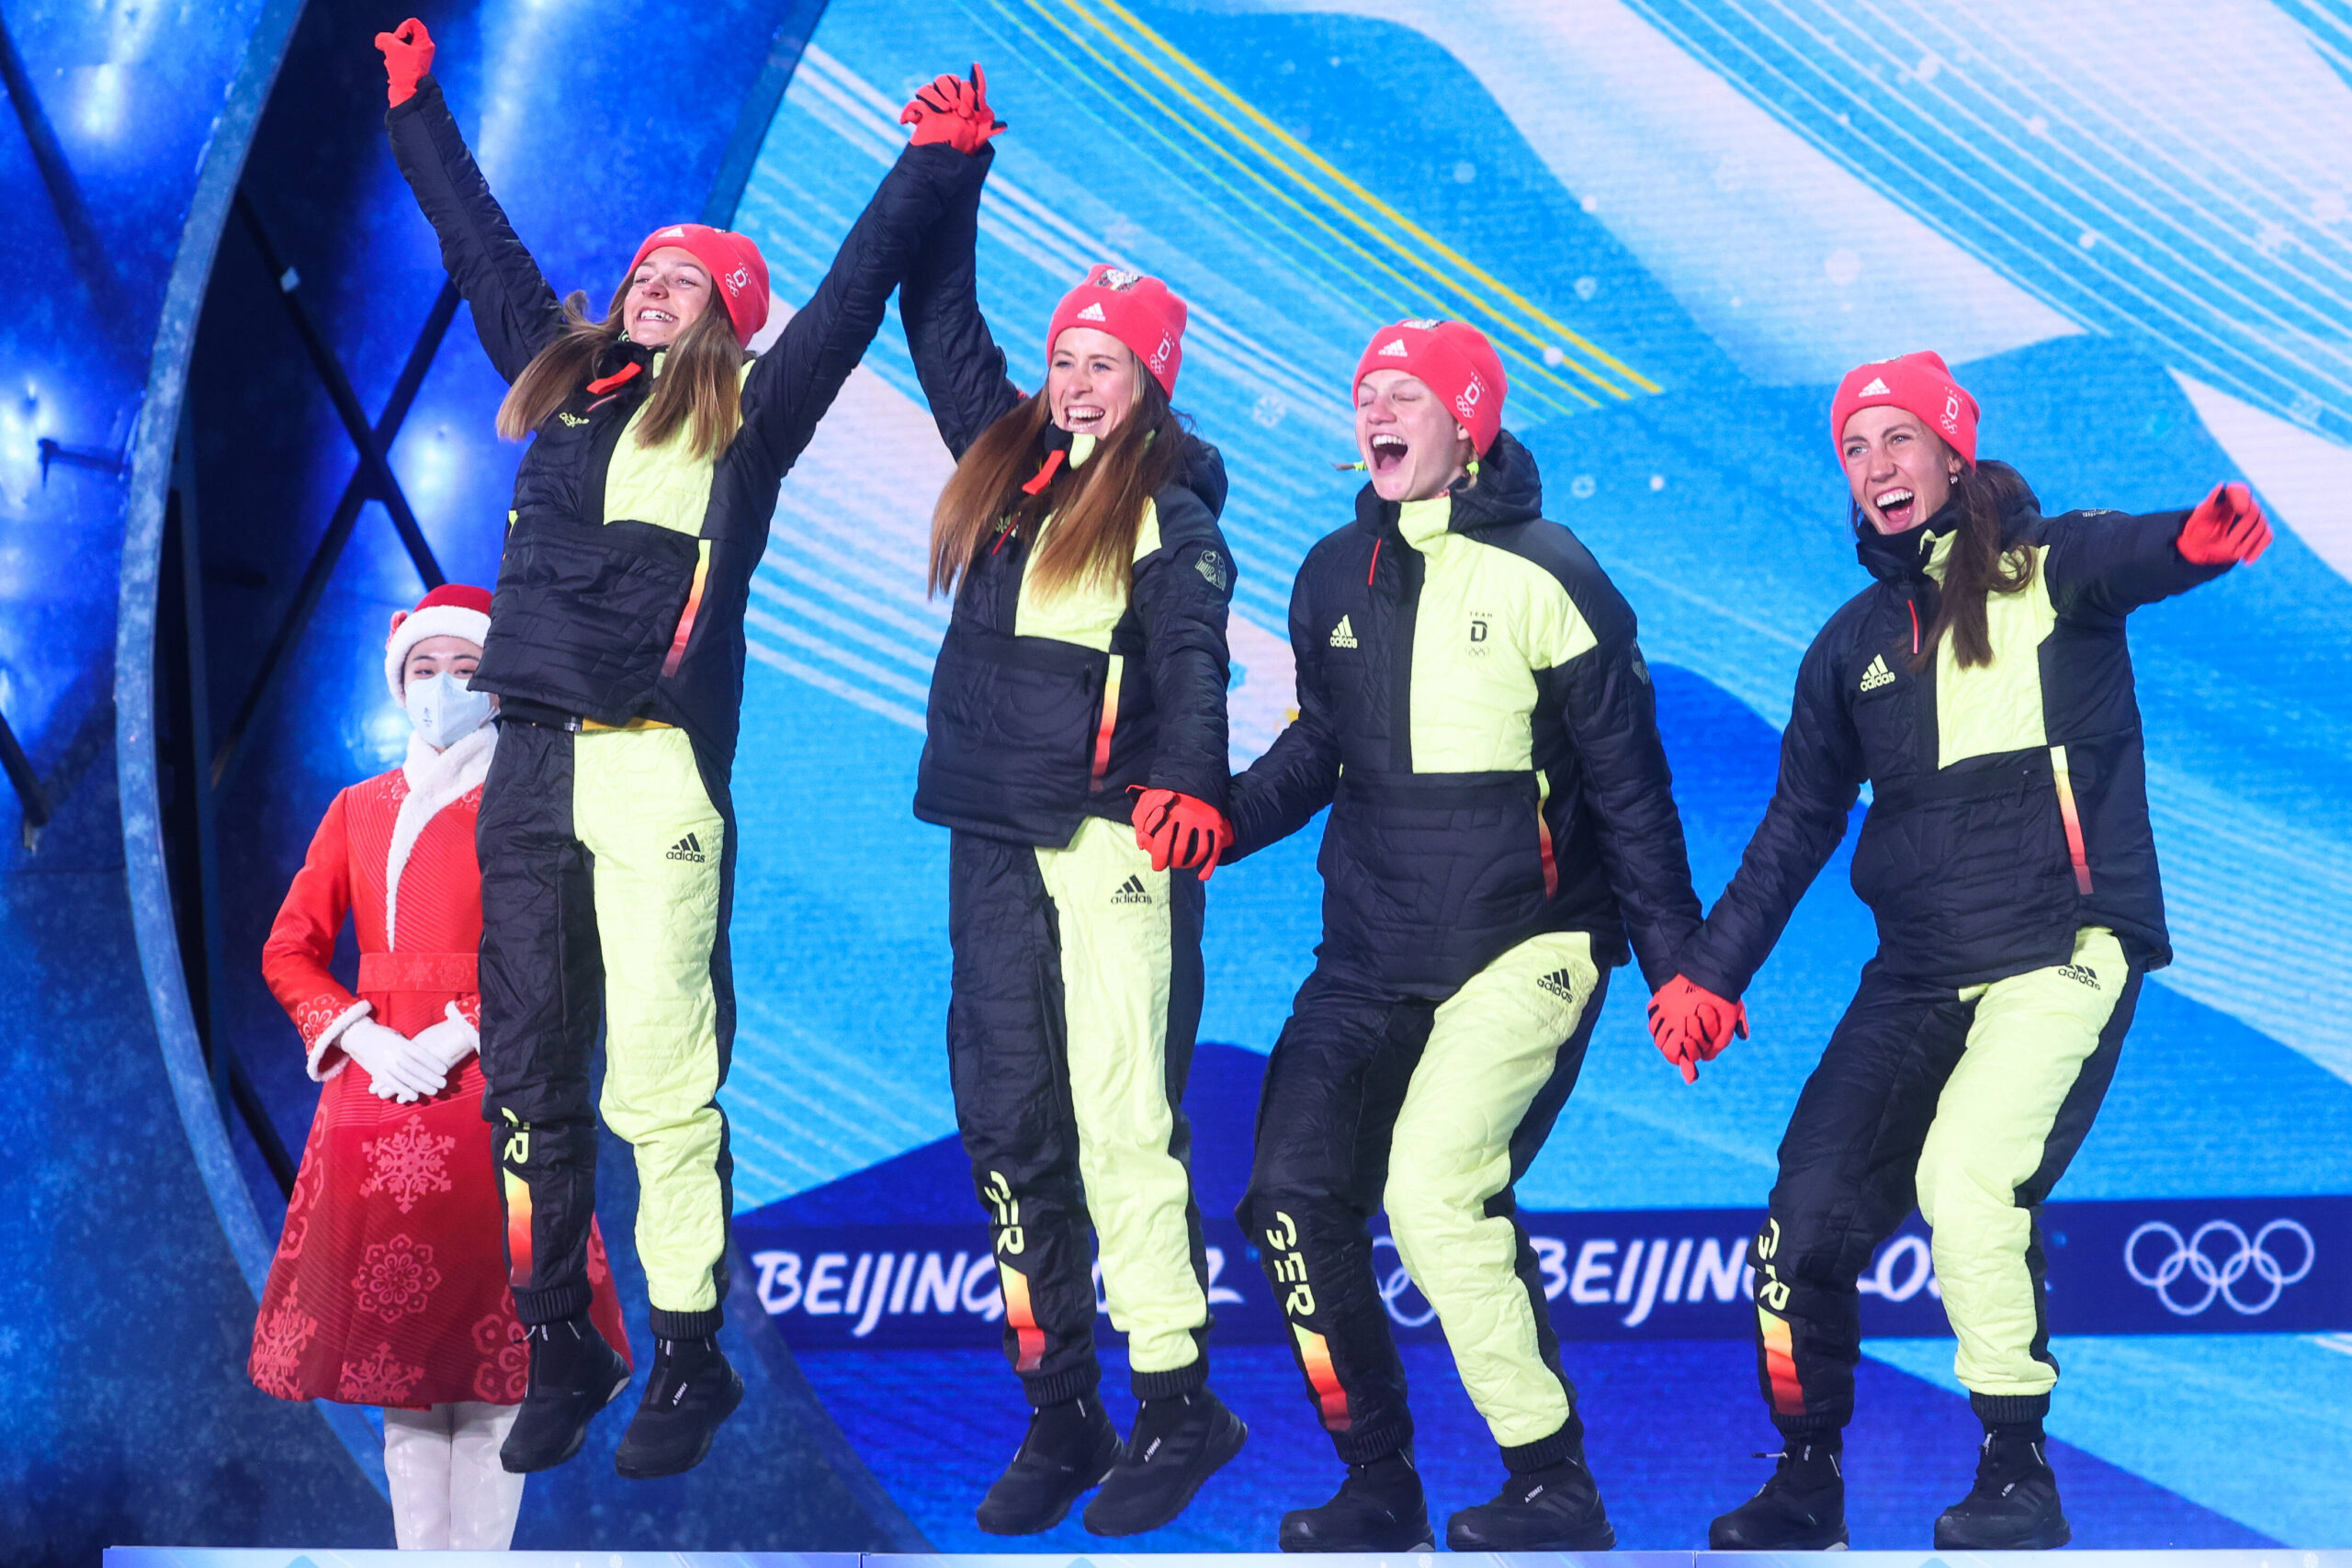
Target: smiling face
1900 471
666 294
437 655
1093 381
1411 445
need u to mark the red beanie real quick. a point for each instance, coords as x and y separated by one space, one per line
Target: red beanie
1137 310
451 610
735 266
1918 384
1455 361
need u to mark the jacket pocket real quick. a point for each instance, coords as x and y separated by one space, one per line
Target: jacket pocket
1011 734
585 614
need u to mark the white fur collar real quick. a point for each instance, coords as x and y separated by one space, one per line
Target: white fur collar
436 779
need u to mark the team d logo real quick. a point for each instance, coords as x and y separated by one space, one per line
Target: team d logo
1159 358
738 280
1466 401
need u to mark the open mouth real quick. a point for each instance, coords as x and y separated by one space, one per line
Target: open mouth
1387 453
1081 418
1897 507
651 317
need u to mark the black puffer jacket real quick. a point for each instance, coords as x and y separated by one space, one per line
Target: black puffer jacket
1474 708
2009 803
615 617
1022 742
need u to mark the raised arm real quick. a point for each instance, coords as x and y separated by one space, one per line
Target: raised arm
1821 777
1609 711
2111 564
794 383
957 357
1282 791
516 312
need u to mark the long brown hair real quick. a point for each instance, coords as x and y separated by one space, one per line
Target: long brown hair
1986 492
1098 509
700 389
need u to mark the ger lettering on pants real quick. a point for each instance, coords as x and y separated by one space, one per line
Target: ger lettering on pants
607 862
1077 995
1433 1110
1973 1100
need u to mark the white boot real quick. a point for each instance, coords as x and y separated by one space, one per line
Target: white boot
483 1498
416 1463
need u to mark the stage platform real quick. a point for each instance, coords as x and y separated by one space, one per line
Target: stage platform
287 1557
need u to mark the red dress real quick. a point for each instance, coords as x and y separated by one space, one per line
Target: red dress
390 1282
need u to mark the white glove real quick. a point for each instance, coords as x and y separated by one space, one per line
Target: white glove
450 1041
397 1068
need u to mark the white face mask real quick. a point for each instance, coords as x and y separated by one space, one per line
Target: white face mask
445 710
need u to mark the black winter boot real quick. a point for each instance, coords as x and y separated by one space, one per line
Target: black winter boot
2014 1505
574 1374
1068 1449
1556 1508
1801 1508
691 1390
1379 1508
1178 1443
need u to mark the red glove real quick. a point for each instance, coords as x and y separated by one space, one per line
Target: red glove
1181 832
2227 528
408 56
953 110
1692 1024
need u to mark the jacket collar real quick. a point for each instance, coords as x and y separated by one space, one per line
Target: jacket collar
1507 489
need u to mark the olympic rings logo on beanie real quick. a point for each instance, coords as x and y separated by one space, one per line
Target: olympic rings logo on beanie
1455 360
1139 311
734 264
1920 385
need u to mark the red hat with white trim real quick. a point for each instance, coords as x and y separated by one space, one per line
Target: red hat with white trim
453 609
736 270
1137 310
1919 384
1455 361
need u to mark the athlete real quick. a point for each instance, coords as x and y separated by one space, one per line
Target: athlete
1982 687
615 645
1077 749
1473 709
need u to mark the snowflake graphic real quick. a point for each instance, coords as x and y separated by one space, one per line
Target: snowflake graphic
277 1348
504 1375
396 1278
381 1379
304 1202
407 1164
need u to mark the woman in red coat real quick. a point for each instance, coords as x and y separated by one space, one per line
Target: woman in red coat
388 1287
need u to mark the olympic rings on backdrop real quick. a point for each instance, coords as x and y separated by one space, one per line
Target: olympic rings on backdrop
1395 1284
2220 1276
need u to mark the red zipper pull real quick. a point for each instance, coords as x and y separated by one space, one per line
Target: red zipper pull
627 373
1373 570
1044 475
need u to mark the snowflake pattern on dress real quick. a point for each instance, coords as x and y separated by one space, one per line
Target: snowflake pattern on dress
503 1373
380 1379
396 1278
312 1017
303 1205
407 1164
277 1348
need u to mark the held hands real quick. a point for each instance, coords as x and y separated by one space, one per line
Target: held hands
953 109
1181 832
1692 1024
400 1069
2227 528
450 1041
408 56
